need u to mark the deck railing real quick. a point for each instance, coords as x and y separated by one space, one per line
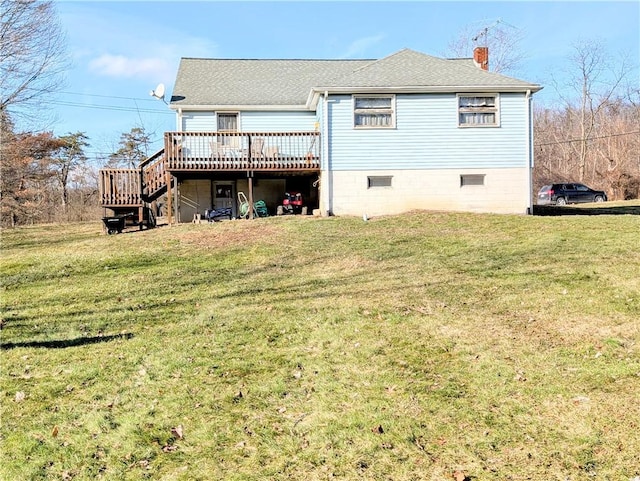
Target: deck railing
209 151
120 187
188 151
153 172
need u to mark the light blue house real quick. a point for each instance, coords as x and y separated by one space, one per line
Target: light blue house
375 137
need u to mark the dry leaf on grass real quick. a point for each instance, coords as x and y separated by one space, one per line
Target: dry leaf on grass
178 431
460 476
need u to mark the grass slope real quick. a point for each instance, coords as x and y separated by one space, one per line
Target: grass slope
423 346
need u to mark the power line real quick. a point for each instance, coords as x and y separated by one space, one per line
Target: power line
589 138
107 107
108 96
120 108
99 154
82 94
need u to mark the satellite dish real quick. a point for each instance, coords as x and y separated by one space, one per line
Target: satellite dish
158 92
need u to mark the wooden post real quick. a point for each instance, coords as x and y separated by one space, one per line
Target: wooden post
250 174
176 206
169 197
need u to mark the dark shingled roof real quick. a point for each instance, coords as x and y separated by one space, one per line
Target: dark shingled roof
254 82
220 82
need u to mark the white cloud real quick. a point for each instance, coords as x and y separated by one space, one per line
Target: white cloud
120 66
358 47
128 41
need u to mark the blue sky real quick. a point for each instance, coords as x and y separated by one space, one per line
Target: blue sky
123 49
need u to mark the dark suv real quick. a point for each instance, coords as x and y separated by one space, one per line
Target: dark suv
562 194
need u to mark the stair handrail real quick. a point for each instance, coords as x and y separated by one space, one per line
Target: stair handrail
152 174
151 158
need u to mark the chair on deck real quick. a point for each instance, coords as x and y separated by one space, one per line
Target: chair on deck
215 150
256 148
175 150
271 154
230 147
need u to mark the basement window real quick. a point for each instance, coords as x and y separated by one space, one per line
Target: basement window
471 179
481 110
374 112
374 181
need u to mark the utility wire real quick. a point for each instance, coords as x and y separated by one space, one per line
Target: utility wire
100 154
107 107
93 95
589 138
108 96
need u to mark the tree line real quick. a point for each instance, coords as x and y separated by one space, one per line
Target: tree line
46 178
43 177
590 135
607 158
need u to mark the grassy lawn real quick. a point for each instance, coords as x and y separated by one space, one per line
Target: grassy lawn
426 346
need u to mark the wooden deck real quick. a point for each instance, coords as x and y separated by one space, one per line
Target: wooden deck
246 151
198 152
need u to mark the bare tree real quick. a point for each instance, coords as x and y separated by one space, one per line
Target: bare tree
502 40
613 154
595 82
83 200
32 53
592 134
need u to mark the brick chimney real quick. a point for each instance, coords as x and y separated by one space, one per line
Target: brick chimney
481 57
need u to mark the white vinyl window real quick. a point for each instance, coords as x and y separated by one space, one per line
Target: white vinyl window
374 112
478 110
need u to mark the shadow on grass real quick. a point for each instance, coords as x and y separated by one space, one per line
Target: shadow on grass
63 343
555 210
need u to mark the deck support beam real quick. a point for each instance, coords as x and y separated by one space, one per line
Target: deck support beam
250 175
169 198
176 206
